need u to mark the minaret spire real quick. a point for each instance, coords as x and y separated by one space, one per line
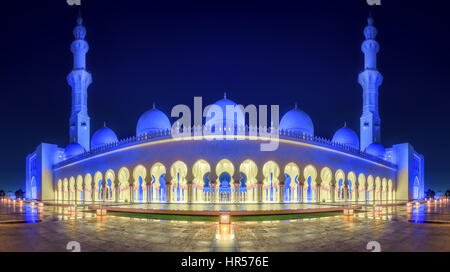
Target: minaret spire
79 79
370 79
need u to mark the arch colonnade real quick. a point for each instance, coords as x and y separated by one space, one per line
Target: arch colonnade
226 183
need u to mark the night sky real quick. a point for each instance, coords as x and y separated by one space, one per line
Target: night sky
260 52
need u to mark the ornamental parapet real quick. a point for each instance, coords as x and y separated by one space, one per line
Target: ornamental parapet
262 132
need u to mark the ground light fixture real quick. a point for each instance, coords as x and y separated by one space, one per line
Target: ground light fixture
348 212
224 218
101 212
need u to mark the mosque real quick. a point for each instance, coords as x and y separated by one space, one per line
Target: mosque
155 167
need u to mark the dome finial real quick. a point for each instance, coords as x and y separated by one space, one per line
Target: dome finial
154 105
104 123
224 95
296 105
79 18
345 124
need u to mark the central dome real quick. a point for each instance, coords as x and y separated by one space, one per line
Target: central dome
72 150
103 137
377 150
346 137
238 121
297 121
152 121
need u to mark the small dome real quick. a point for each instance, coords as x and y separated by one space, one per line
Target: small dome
239 118
72 150
103 137
376 149
346 137
297 121
152 121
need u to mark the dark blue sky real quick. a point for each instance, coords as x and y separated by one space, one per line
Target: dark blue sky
260 52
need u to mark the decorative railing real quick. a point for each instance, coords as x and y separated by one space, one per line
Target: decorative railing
247 131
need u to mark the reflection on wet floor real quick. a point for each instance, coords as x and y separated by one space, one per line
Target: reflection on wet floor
333 233
221 206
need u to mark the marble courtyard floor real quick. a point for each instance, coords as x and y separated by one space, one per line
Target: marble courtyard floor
396 229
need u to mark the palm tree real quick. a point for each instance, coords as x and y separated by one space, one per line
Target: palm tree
430 194
2 193
19 193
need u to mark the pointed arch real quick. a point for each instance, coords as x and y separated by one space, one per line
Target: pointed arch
377 188
88 187
310 184
202 187
370 188
59 187
178 172
351 186
339 177
139 183
384 189
97 186
271 173
158 184
123 176
390 190
72 188
79 196
249 171
65 189
110 188
291 187
326 186
362 193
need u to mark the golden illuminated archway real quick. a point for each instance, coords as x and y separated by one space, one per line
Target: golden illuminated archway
362 194
291 193
178 172
72 188
79 188
88 187
339 177
371 188
59 195
97 186
65 189
384 190
250 170
390 190
309 187
199 170
326 175
139 183
351 187
157 171
110 186
124 185
271 172
377 188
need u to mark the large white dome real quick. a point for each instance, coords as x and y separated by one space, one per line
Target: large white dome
377 150
103 137
152 121
297 121
238 120
72 150
346 136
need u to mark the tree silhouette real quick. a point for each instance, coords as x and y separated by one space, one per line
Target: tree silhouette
19 193
430 194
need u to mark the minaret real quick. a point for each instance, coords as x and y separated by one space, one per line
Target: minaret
370 79
79 79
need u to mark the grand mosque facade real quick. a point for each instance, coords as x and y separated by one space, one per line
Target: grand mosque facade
153 166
